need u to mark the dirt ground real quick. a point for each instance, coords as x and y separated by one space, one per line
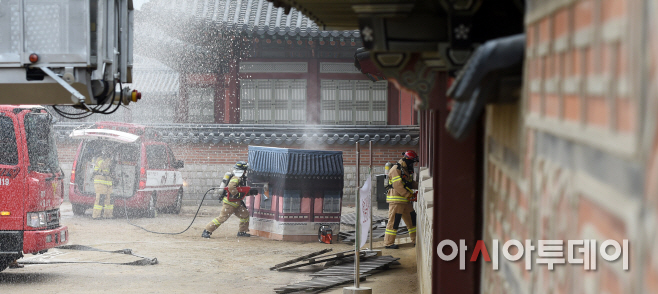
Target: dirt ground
187 263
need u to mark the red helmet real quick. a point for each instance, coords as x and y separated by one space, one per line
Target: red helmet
410 155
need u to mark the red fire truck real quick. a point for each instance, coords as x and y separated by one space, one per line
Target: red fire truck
146 174
31 184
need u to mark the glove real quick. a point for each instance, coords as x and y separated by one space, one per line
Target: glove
414 198
220 196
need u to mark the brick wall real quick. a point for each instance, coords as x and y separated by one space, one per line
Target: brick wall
205 164
578 157
649 268
424 249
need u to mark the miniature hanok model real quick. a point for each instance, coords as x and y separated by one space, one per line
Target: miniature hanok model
301 190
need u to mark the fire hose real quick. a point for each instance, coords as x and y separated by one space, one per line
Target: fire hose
167 233
141 261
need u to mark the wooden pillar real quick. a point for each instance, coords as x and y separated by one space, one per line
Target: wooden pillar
252 207
393 105
275 203
181 106
457 201
414 114
313 99
220 91
311 216
422 143
432 140
231 95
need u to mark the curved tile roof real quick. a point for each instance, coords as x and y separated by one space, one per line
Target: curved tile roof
243 134
253 17
295 162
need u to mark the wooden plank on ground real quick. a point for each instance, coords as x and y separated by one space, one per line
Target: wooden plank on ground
301 258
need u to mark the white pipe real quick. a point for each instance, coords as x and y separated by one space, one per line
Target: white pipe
358 222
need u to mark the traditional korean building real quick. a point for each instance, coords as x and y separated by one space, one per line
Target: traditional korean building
266 66
246 73
538 122
304 191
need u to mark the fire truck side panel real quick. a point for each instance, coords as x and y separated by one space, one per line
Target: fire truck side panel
29 211
12 173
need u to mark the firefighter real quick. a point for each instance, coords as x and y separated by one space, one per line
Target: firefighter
399 198
103 168
233 204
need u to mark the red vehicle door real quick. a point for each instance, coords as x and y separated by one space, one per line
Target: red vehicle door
44 175
12 174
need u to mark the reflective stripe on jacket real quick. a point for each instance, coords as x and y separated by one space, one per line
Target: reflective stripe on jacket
234 204
400 191
102 180
234 196
102 166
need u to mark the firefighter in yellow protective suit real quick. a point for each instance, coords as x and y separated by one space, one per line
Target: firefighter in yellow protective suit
233 204
399 199
103 168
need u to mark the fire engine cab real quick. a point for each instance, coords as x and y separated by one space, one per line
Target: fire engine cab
31 184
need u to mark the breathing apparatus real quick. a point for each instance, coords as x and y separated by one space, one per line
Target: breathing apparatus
387 168
409 158
239 170
227 177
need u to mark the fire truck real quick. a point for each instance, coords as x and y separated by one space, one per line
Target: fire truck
75 55
67 52
31 184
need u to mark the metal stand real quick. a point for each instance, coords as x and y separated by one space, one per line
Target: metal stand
371 210
357 289
370 249
354 290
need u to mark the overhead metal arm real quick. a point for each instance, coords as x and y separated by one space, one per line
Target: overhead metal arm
81 98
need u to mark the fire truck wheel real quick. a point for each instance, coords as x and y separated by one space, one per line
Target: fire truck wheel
175 209
4 263
151 211
78 209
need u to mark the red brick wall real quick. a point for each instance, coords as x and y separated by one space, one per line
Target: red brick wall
206 163
66 151
223 154
229 154
579 158
650 251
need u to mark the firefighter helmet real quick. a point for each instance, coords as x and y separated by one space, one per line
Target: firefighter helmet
240 168
410 155
240 165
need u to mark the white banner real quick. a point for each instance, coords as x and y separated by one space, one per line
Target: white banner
366 210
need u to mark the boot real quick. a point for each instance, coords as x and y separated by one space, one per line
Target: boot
392 246
206 234
244 234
